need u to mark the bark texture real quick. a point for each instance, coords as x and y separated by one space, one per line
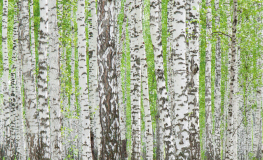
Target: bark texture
93 77
193 61
44 125
107 79
231 143
31 115
135 26
156 34
6 107
84 94
209 149
54 83
217 93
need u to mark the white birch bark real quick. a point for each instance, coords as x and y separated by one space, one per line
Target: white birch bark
6 109
226 98
145 95
179 73
107 80
32 47
208 112
14 98
84 94
93 76
257 120
73 108
217 94
135 26
44 126
54 83
156 34
170 77
231 143
193 78
29 82
20 137
122 99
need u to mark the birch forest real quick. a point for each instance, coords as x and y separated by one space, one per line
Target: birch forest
131 79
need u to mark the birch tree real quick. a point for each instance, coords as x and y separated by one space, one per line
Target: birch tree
93 77
54 83
135 26
193 61
44 126
156 34
83 100
179 75
208 111
107 80
6 109
122 99
231 144
217 94
32 46
20 137
73 108
29 82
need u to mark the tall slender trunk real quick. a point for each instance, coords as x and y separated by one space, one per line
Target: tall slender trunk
226 98
20 138
208 112
13 99
179 75
32 47
193 78
6 109
231 144
156 34
44 127
84 94
145 95
31 115
73 107
135 27
217 93
54 83
107 77
93 76
122 89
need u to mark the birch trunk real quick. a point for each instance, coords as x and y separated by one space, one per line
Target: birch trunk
20 138
122 99
32 47
44 127
14 97
156 34
93 77
135 27
73 108
31 116
54 83
6 109
84 94
107 79
226 98
217 93
193 78
145 96
231 144
208 121
179 74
